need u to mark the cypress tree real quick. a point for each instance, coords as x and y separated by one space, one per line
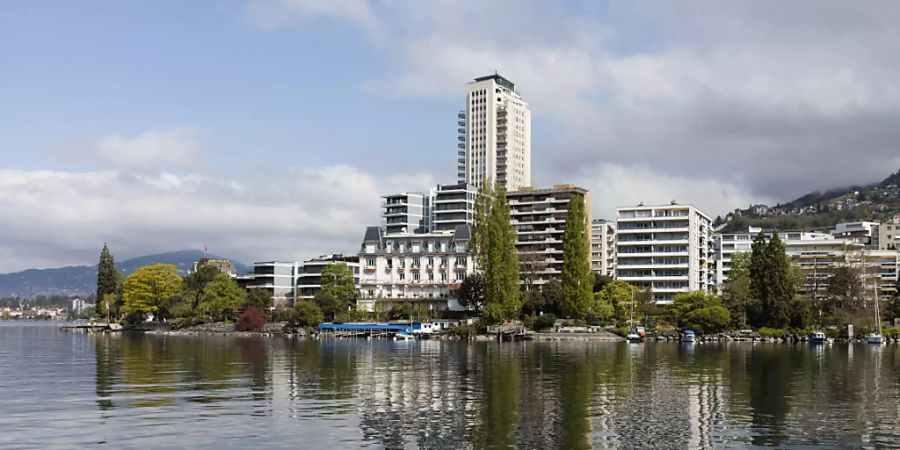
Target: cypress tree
781 286
106 275
759 282
577 276
501 261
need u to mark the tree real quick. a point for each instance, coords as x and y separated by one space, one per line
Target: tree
618 295
402 311
150 289
339 287
195 283
328 303
307 314
577 277
759 282
600 281
222 297
259 298
781 285
551 292
738 296
701 311
501 269
107 275
471 292
251 318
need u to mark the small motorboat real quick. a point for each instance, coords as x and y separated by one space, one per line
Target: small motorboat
817 337
401 336
688 337
634 336
874 338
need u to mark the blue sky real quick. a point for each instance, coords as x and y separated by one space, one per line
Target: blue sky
267 129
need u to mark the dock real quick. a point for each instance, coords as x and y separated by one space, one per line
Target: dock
363 330
96 327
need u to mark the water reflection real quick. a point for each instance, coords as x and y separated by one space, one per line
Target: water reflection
224 391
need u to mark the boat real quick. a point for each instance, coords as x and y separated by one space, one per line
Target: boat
688 337
634 335
401 336
875 336
817 337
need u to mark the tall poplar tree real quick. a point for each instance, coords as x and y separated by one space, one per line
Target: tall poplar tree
479 242
501 274
577 276
106 276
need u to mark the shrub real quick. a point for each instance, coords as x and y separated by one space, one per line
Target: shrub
545 321
462 331
891 332
252 318
622 331
307 314
832 332
771 332
179 323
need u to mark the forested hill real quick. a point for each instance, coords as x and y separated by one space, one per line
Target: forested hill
817 210
82 280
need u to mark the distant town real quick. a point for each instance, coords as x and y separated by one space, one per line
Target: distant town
423 259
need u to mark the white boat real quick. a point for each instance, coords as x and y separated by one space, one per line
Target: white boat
875 336
688 337
403 337
634 335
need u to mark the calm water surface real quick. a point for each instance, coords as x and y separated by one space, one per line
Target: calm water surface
68 390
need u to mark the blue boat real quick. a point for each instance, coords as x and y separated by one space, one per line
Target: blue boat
817 337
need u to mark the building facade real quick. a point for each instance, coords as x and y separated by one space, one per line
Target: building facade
603 247
277 278
865 233
452 205
494 135
418 268
664 249
309 279
889 235
539 217
405 212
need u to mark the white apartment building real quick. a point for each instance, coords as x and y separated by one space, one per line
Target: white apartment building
539 217
663 249
494 135
405 212
817 255
603 247
889 235
309 279
865 233
418 268
277 278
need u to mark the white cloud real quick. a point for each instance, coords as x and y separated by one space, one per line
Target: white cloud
57 218
148 151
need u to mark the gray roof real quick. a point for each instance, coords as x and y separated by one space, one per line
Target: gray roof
462 233
373 234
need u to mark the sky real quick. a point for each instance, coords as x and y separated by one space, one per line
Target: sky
268 129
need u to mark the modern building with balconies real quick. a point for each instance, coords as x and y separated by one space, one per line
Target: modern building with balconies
451 206
277 278
539 217
603 247
664 249
422 269
405 212
309 279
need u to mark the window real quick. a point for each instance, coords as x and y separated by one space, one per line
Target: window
416 277
402 276
370 262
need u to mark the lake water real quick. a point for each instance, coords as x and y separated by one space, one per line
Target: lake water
66 390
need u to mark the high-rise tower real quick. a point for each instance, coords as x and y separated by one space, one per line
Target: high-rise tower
495 134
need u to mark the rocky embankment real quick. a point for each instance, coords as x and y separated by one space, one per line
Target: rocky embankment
227 328
754 337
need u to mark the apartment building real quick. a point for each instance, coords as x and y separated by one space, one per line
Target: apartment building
494 135
406 212
725 245
539 217
309 279
419 268
452 205
889 235
277 278
664 249
865 233
603 247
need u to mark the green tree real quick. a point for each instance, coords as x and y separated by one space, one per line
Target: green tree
701 311
107 275
338 290
259 298
551 292
759 278
307 314
782 285
471 292
577 277
150 289
738 296
619 295
195 283
501 271
222 298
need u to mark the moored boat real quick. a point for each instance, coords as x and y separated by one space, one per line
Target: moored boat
817 337
874 338
688 336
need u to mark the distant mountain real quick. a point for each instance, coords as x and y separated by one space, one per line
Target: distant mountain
82 280
817 210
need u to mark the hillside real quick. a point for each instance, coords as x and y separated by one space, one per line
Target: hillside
817 210
82 280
